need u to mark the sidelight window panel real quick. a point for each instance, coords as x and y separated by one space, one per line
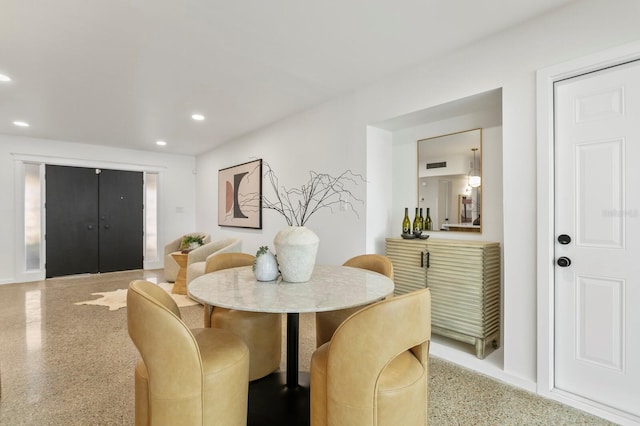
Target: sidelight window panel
32 216
151 217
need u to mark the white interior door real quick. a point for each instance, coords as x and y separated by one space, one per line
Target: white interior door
597 230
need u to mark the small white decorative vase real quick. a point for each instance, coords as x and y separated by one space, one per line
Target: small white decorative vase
296 249
266 267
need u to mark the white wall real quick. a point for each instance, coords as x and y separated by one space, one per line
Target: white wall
379 203
322 140
333 137
176 192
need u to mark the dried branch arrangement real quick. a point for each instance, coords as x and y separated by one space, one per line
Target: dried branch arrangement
322 191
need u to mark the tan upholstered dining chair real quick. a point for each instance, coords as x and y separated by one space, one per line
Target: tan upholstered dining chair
185 377
327 322
261 331
374 371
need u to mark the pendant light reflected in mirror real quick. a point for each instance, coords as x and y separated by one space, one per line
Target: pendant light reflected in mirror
474 174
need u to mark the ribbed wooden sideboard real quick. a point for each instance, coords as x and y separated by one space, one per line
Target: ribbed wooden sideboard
464 278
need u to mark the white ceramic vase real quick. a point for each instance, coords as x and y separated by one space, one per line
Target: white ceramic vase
266 267
296 249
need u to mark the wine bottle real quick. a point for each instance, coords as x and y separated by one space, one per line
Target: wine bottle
417 225
406 223
428 224
422 227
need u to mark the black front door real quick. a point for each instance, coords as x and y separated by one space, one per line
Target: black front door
72 221
120 233
94 220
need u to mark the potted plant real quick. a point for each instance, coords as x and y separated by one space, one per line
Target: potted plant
190 242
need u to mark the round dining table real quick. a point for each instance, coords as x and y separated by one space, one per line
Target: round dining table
330 288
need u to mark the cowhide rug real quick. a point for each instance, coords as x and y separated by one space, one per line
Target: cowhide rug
118 298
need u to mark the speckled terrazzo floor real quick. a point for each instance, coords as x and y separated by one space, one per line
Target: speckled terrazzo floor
64 364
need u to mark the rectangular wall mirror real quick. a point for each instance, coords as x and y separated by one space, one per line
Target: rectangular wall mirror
450 180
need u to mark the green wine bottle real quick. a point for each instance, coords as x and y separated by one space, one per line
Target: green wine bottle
422 227
417 224
428 223
406 223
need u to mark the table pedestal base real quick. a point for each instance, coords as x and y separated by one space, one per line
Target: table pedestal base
272 403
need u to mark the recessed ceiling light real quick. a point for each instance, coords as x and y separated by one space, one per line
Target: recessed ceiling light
4 78
198 117
21 123
161 143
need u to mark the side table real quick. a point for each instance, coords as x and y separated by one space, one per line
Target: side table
180 285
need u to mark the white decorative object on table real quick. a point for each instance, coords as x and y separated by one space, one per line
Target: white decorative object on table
297 247
265 267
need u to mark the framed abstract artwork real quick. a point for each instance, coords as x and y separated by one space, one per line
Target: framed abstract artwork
240 195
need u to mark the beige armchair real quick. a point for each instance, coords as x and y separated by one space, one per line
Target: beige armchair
171 268
328 322
185 377
374 371
261 331
198 257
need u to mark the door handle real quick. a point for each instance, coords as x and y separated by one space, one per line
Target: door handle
422 256
564 239
563 262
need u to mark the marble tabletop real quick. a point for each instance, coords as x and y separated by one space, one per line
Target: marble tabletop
330 288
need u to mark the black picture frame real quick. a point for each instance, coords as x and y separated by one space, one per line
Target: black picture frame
240 195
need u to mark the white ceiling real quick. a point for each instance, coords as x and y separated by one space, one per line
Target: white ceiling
127 73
